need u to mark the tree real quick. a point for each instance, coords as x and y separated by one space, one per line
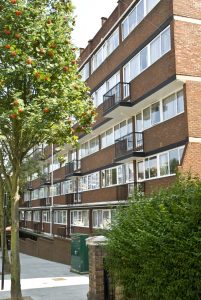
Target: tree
154 245
41 93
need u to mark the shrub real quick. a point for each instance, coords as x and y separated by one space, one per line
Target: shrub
154 245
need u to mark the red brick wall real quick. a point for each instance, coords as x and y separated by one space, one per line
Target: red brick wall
58 250
190 8
98 159
191 161
193 101
166 133
143 31
155 185
187 47
100 195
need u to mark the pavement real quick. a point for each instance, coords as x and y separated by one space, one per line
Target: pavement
45 280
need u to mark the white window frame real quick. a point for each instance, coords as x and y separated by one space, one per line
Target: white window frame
46 216
148 55
60 214
175 94
104 51
80 219
158 164
36 215
126 20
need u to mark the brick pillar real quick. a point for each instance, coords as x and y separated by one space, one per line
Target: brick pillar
96 272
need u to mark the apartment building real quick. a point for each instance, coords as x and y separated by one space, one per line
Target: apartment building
144 70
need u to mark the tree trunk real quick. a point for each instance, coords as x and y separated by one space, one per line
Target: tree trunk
16 293
2 216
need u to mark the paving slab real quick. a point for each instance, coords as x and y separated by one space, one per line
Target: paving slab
45 280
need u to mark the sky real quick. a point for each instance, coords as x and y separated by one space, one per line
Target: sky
88 20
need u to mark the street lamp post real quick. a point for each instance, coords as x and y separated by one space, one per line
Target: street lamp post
51 189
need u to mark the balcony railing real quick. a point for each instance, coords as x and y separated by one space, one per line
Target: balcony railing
132 142
73 198
73 167
37 227
119 94
45 201
46 180
125 191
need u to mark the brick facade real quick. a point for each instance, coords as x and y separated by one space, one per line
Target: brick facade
177 69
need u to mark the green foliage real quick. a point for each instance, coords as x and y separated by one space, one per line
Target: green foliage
154 248
41 92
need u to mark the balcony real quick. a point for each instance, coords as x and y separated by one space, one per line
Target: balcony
37 227
73 168
117 100
45 201
45 180
125 191
73 198
130 145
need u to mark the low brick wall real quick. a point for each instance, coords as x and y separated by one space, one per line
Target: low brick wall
58 250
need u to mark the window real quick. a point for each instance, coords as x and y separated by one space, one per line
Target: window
162 164
148 55
60 216
90 147
102 218
68 187
155 113
117 175
160 111
173 105
113 42
45 216
107 138
173 160
85 72
57 189
106 49
98 95
137 15
140 170
90 182
80 218
28 215
27 196
155 50
146 118
22 215
165 41
143 59
35 194
41 193
140 11
150 4
36 216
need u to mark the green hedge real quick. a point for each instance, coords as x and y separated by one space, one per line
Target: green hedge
154 247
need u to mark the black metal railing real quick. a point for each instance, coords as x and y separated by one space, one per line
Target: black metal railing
37 227
132 142
119 93
73 198
45 179
125 191
73 167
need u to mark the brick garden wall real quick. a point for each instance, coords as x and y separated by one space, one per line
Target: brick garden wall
58 250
